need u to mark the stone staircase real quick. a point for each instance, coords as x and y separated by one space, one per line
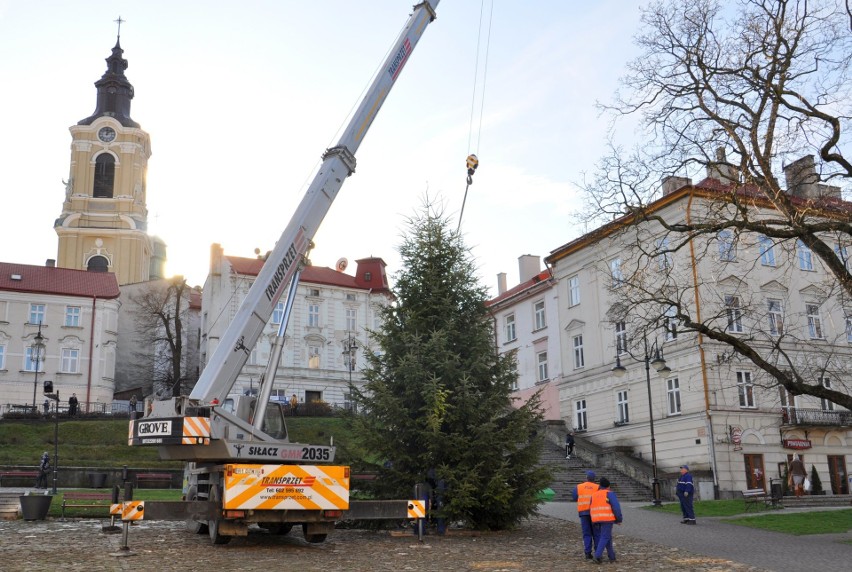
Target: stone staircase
568 472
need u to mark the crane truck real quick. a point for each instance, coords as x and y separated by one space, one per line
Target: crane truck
240 467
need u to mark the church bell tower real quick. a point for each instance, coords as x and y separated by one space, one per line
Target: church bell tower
104 220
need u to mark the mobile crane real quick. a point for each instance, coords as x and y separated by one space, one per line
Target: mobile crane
241 467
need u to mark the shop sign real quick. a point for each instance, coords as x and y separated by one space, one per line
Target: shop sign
796 443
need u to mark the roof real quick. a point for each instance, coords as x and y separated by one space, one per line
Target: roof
543 276
57 281
310 274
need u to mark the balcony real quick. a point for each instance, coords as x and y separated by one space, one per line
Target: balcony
815 417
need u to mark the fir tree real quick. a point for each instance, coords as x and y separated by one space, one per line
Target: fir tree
437 403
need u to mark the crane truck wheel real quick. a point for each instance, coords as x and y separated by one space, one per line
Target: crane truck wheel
312 538
213 525
195 526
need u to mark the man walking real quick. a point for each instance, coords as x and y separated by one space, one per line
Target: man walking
569 445
43 470
686 494
72 404
605 512
582 494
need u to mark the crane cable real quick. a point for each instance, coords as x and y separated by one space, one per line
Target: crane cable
472 161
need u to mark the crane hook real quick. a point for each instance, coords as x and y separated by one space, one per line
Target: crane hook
472 164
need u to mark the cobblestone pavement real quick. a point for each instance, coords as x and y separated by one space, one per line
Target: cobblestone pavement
541 544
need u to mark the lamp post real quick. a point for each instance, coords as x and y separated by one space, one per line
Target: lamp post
55 397
37 348
656 360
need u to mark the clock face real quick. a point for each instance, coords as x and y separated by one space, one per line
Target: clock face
106 134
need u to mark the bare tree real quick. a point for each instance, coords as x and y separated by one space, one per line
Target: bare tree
744 92
160 310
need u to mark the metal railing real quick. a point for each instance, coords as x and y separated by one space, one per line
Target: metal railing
821 417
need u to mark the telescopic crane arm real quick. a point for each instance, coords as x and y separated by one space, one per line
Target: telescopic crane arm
229 357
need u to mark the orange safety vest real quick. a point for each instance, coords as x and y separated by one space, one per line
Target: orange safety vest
601 511
584 495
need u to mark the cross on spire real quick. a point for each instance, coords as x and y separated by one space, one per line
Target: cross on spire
119 22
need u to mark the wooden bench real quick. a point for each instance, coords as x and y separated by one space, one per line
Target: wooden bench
756 497
85 499
17 475
153 477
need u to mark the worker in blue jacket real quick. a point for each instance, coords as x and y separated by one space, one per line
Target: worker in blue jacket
582 495
605 512
686 494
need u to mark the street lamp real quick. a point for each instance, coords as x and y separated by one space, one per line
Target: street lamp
37 348
656 360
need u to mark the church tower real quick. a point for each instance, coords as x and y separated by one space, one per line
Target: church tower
104 220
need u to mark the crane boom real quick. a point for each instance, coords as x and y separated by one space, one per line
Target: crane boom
229 357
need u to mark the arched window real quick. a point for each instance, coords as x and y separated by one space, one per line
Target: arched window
104 176
98 264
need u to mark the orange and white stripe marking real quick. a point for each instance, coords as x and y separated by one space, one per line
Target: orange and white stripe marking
133 510
286 487
416 509
196 430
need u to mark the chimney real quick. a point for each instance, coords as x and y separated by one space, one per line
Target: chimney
803 180
501 283
528 266
50 263
672 184
216 255
721 170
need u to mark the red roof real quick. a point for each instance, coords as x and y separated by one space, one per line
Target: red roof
58 281
542 276
310 274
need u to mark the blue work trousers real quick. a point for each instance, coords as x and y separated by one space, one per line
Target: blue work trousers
588 533
603 539
686 506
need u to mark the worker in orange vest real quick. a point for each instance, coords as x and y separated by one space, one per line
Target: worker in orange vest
582 494
605 511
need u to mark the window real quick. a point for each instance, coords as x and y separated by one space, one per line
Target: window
670 322
775 315
350 297
673 395
735 314
313 357
805 256
2 357
541 359
36 314
814 321
664 256
840 251
278 313
313 315
98 264
767 250
615 271
727 248
538 310
745 388
351 319
30 360
314 292
510 328
620 338
621 407
72 316
825 404
849 329
788 400
580 421
104 176
573 290
579 358
70 362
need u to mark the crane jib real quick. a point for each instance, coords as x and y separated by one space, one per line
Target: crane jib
296 247
400 59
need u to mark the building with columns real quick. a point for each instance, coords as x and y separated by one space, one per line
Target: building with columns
104 220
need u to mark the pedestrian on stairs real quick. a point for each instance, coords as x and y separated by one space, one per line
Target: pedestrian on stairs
582 495
569 445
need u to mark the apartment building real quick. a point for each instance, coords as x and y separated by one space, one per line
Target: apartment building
326 335
622 292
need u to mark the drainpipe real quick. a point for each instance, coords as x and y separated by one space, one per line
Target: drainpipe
702 357
91 354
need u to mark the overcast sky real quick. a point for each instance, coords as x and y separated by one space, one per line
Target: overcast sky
241 99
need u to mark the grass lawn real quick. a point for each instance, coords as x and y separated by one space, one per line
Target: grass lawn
797 523
103 512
